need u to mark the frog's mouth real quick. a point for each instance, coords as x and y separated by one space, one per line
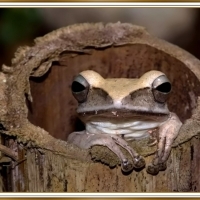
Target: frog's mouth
123 115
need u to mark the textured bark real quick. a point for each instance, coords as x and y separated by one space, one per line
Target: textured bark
54 173
36 132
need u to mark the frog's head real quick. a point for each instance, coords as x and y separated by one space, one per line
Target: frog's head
116 97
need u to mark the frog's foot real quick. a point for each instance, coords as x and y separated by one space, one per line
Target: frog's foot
85 141
167 134
138 161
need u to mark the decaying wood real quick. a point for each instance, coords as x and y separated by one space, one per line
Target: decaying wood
45 163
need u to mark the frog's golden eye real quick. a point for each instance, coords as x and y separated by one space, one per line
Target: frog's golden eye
161 88
80 88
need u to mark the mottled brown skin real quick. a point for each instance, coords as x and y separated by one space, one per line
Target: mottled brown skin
119 109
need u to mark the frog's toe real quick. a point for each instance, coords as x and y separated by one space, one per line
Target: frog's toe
152 169
126 165
162 166
139 162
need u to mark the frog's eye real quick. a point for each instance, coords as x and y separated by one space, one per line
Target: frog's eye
161 88
80 88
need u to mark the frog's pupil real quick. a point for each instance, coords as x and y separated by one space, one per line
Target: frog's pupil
77 87
165 87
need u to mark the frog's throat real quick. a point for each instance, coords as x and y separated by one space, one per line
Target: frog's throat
130 130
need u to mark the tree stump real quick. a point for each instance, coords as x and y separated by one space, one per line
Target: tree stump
38 112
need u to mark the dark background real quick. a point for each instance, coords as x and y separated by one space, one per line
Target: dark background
19 26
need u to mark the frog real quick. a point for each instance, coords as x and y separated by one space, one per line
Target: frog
116 111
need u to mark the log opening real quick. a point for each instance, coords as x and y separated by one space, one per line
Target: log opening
55 108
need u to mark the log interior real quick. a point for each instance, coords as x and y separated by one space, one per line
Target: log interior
54 109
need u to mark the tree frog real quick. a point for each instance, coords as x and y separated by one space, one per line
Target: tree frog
117 110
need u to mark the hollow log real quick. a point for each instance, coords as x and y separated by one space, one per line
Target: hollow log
38 112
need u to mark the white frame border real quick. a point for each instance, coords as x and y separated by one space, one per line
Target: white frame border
99 195
100 4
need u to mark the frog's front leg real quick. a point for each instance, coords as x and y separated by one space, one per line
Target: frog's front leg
167 134
85 141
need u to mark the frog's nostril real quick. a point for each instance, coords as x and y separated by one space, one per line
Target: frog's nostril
117 103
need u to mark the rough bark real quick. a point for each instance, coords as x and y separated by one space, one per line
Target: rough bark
38 162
